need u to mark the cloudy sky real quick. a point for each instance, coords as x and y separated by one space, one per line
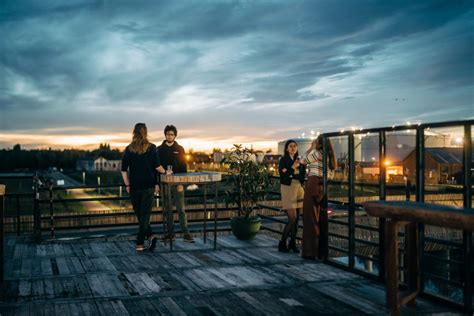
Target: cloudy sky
77 73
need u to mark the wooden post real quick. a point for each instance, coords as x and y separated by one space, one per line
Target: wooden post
215 214
351 198
323 223
467 236
391 258
2 231
205 212
413 266
383 196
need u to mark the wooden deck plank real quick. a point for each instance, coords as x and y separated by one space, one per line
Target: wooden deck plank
255 303
48 288
89 308
61 308
185 282
107 276
146 307
103 285
37 288
75 265
63 266
143 283
24 289
36 267
75 309
16 267
190 259
172 307
119 308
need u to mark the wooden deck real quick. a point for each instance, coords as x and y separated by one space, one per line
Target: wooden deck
105 276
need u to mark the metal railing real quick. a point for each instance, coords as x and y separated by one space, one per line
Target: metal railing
464 282
340 237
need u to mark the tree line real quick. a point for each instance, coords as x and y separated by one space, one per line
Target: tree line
38 159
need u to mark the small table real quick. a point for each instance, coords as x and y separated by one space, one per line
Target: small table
203 178
411 214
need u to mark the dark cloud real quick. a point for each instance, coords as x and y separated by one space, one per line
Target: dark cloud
91 63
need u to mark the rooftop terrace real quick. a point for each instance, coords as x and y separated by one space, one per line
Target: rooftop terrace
92 276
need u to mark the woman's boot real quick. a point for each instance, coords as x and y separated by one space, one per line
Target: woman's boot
282 246
292 244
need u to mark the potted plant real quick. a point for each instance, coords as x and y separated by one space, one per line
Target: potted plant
248 183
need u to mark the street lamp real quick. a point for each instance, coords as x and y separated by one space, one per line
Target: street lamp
83 178
98 185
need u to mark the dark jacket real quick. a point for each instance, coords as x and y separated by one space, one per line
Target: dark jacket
141 168
289 174
173 155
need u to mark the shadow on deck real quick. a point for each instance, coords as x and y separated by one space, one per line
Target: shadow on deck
105 276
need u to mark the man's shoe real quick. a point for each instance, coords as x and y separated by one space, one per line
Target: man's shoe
188 238
139 247
168 237
152 242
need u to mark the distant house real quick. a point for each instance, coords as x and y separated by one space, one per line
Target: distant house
442 165
201 157
98 164
102 164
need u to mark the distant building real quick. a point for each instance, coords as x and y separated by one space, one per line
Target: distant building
442 165
98 164
201 157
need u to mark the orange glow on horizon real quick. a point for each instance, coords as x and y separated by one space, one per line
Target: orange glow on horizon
121 140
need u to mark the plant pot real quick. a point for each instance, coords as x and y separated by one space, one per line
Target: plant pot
245 228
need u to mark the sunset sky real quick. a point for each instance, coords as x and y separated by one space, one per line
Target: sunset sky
79 73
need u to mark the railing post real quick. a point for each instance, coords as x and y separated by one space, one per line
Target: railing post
2 232
351 197
36 210
18 221
324 226
205 213
420 195
51 209
382 196
420 164
467 236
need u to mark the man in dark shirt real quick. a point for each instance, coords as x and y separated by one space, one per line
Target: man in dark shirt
173 160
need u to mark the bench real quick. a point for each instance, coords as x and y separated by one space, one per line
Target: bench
411 214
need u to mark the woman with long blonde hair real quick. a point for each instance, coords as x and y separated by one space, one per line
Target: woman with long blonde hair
140 164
